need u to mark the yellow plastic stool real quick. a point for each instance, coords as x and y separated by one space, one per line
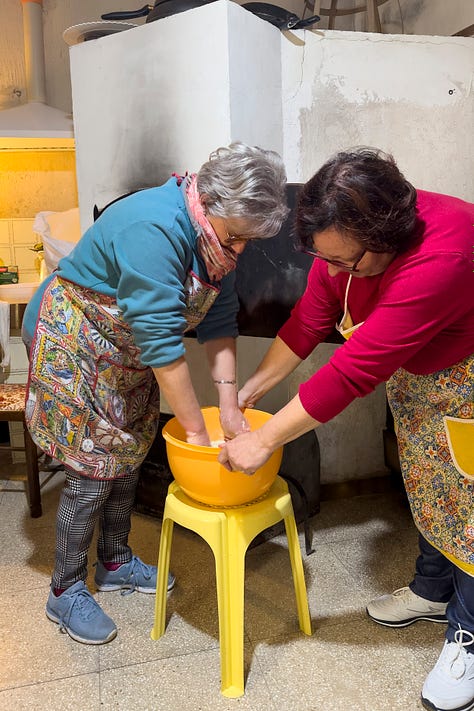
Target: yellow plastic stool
229 532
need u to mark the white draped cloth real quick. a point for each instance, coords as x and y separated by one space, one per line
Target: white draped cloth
4 334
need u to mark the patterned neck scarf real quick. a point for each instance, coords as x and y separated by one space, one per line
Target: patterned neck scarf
219 260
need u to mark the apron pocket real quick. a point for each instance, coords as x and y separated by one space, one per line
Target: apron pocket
460 434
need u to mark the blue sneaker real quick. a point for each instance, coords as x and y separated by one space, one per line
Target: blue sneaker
135 575
77 613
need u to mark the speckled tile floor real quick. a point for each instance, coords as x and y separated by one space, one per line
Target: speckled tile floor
364 546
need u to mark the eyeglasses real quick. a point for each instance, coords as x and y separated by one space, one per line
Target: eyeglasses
336 262
238 239
233 239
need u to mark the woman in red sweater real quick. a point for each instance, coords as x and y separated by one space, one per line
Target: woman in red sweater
398 264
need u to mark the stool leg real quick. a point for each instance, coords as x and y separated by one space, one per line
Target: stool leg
230 580
298 574
162 581
33 492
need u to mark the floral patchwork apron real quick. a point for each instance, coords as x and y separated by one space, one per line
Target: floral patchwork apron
91 403
434 422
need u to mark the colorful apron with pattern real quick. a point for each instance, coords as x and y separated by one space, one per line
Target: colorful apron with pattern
91 404
434 421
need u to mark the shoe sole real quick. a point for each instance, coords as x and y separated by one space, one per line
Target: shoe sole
76 637
427 704
405 623
149 591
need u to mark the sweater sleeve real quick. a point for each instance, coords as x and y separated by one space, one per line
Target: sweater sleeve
151 264
418 298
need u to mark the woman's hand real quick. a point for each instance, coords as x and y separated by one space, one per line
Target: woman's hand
233 422
247 398
244 453
249 451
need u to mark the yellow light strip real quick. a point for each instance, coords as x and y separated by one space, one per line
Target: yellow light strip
37 144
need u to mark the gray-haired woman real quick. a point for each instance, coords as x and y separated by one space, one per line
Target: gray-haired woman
105 334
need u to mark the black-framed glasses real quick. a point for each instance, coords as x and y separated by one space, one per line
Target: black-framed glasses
336 262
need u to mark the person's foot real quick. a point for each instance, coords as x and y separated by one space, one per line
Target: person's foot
403 607
450 684
77 613
135 575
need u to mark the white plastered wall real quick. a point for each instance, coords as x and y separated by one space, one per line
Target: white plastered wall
412 96
141 115
159 98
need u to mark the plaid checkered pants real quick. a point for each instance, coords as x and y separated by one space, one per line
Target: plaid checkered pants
84 503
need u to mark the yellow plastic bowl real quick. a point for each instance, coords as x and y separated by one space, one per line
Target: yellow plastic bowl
203 478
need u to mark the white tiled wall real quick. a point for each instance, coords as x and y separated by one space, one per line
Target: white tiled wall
16 240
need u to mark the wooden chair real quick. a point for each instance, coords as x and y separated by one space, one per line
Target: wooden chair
371 8
465 32
12 409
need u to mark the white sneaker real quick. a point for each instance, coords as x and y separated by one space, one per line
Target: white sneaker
450 684
403 607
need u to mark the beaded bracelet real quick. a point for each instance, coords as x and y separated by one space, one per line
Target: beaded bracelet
225 382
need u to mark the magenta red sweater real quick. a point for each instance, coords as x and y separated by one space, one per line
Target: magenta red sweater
418 314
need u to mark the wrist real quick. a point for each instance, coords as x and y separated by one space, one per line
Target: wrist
195 431
228 398
265 440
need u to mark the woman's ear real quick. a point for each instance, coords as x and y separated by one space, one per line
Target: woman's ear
204 200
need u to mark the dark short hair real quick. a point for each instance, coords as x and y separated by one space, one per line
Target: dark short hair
362 194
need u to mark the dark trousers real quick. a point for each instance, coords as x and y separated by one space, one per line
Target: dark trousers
439 580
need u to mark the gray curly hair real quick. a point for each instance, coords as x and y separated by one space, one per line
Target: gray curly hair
248 183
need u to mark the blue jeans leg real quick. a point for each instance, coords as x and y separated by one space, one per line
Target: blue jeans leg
439 580
460 611
434 574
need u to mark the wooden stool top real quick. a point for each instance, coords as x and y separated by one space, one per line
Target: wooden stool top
12 397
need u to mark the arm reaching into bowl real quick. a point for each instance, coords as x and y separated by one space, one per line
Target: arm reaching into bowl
249 451
222 362
175 384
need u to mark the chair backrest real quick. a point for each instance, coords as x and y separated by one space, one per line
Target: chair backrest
370 7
